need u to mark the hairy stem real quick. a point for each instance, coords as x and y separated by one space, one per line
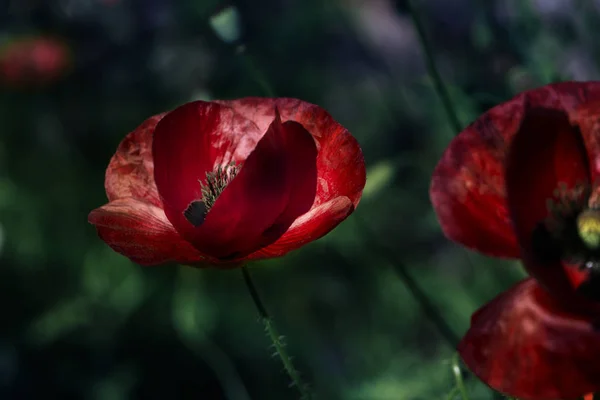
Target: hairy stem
276 338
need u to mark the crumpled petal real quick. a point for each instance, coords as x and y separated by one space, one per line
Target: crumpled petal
587 118
130 172
192 140
140 231
468 185
340 162
311 226
275 185
525 344
546 151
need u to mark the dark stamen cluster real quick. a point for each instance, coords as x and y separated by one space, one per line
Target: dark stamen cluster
558 237
216 182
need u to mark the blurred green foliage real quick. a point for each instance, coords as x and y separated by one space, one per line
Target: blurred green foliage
81 321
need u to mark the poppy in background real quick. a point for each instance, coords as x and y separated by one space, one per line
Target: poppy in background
522 181
224 182
33 61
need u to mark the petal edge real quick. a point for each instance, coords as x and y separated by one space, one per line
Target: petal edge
141 232
524 344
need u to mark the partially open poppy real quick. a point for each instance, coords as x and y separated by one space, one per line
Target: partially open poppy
225 182
522 181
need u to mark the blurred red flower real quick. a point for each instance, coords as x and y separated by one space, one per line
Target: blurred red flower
33 61
224 182
522 182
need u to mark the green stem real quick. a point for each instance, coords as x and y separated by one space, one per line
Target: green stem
276 338
440 87
431 311
458 377
452 393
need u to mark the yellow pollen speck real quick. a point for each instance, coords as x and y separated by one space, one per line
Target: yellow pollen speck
588 224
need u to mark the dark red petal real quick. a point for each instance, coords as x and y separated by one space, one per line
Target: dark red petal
587 117
309 227
467 188
523 344
301 178
468 185
141 232
189 142
275 185
130 172
340 162
546 151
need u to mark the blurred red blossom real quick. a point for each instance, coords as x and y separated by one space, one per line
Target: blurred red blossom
223 182
522 181
33 61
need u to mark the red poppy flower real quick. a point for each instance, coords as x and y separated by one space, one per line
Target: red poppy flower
225 182
523 182
33 61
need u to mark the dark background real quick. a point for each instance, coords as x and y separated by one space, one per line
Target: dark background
82 322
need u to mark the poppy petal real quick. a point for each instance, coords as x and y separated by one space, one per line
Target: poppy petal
192 140
587 117
340 162
467 188
275 185
130 172
311 226
468 185
141 232
523 344
545 152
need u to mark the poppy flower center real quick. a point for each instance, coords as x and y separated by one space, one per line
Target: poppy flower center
215 182
571 234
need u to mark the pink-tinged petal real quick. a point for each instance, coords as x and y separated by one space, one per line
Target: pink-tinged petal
189 142
340 162
311 226
142 232
275 185
524 344
546 151
130 172
468 185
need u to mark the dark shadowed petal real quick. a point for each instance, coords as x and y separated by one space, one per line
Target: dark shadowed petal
142 232
468 184
546 151
130 172
340 163
189 142
467 188
587 117
311 226
302 175
524 345
275 185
